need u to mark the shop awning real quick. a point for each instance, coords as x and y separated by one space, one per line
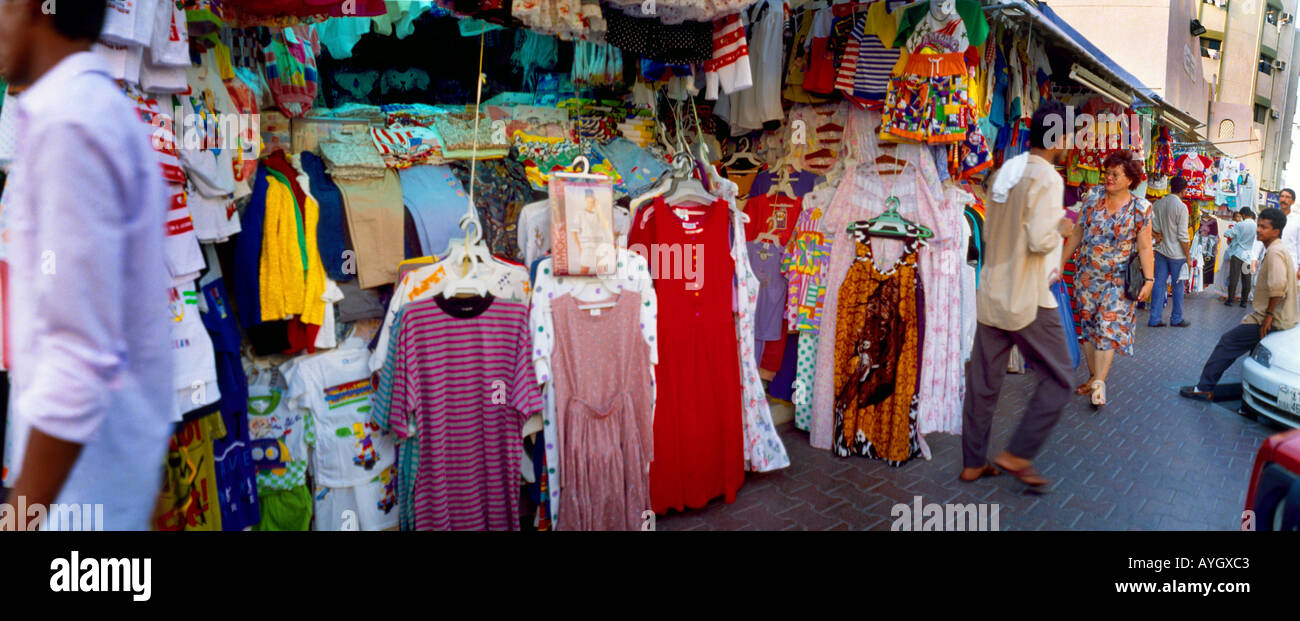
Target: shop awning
1060 32
1047 22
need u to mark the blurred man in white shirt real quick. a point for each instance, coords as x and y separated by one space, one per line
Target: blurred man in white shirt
1291 234
86 333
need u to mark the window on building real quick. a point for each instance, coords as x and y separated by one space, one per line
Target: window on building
1210 47
1271 15
1266 64
1226 128
1261 114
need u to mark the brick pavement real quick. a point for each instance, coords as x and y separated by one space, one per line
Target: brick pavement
1150 460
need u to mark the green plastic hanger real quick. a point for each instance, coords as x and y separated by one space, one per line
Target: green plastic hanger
892 224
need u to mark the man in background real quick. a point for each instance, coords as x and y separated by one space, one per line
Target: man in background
1275 307
1015 305
1291 234
1241 243
86 330
1173 246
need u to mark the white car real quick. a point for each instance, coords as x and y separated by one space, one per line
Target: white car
1270 378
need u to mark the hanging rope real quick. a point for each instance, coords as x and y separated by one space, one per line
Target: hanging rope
473 162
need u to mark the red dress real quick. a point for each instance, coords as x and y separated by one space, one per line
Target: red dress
698 440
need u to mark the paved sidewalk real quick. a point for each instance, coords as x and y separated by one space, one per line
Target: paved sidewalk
1150 460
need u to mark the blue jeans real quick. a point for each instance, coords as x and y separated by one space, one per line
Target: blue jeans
1166 269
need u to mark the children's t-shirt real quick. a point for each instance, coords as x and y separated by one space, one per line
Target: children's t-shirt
195 368
335 387
129 22
190 499
1193 167
170 46
801 181
278 436
775 213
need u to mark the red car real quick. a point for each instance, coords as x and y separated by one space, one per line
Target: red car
1273 502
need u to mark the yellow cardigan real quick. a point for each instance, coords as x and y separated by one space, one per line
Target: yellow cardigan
287 288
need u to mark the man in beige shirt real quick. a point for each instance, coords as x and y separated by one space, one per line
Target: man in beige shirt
1015 305
1274 308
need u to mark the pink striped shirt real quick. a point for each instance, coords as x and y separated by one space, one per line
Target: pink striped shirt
463 386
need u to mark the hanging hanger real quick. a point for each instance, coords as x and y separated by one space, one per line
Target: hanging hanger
715 178
769 235
743 159
896 165
584 173
893 225
687 186
468 257
781 184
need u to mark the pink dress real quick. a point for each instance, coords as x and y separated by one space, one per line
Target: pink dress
604 405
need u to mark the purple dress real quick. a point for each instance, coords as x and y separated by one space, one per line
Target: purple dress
769 325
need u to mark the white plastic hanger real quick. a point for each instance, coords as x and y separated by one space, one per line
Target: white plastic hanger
782 182
585 174
609 302
474 252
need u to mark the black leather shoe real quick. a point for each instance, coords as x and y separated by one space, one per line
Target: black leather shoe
1243 304
1191 392
1156 325
1182 324
1227 302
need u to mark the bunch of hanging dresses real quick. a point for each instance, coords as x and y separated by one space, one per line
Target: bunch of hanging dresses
878 339
698 438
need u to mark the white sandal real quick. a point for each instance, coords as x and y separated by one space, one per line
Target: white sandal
1098 393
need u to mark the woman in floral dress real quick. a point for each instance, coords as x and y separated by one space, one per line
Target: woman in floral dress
1113 224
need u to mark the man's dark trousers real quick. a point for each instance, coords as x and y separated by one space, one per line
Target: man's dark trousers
1043 345
1234 344
1237 273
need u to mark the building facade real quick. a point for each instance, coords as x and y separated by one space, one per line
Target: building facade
1136 32
1237 79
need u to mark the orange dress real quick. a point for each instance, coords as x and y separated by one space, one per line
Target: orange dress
878 339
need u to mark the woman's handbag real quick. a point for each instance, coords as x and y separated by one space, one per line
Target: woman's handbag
1133 278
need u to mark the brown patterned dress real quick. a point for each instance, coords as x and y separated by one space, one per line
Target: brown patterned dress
878 357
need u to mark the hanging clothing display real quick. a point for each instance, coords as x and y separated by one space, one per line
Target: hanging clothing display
352 457
448 350
929 98
402 301
604 414
877 350
633 276
698 436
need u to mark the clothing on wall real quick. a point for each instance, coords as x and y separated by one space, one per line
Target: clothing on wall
698 436
375 225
